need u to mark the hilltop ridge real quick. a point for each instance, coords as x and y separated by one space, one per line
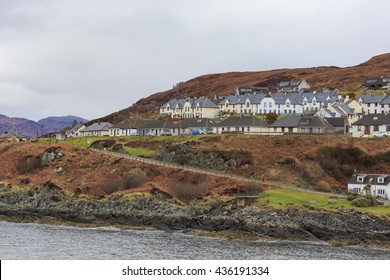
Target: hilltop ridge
343 78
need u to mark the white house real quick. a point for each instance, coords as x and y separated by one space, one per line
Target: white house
373 184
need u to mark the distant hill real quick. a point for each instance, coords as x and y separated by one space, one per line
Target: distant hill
33 129
344 79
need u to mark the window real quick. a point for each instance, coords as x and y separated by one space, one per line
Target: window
359 128
290 129
270 104
237 128
248 129
376 128
388 128
380 192
368 105
247 104
303 129
360 179
356 190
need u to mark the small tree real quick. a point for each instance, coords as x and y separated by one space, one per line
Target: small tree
367 189
270 118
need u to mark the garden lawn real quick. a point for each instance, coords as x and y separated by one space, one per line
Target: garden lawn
281 198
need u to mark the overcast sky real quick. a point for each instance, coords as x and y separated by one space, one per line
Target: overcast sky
93 57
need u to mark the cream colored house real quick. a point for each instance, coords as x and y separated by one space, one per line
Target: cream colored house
190 108
97 129
371 124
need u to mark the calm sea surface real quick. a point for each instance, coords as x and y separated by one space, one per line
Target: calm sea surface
36 241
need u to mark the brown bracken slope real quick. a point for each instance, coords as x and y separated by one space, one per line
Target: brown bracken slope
344 79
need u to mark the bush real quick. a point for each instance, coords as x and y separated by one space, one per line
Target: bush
188 191
322 186
312 172
364 202
251 189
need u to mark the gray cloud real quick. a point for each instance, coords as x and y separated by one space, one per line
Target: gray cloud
91 58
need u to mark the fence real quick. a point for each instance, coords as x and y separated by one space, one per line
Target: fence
175 166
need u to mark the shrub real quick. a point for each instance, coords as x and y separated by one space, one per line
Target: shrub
364 202
322 186
251 189
312 172
188 191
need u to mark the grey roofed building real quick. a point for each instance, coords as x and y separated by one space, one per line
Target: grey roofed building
370 178
302 122
156 124
250 90
98 126
337 122
128 123
196 123
203 102
376 83
292 86
13 134
289 121
373 119
73 129
371 98
243 121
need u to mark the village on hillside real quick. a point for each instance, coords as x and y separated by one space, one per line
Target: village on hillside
292 109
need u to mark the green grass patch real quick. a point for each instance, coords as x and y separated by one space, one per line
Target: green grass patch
84 142
281 198
140 152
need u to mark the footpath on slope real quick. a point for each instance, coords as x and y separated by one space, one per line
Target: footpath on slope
214 173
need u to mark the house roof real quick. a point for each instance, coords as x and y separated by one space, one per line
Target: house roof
202 102
371 98
340 122
298 121
200 122
149 124
370 178
128 124
373 119
99 126
242 121
289 121
12 134
74 129
376 81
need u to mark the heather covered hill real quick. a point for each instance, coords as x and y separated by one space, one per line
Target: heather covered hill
344 79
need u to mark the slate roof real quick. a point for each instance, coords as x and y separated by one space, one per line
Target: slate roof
200 122
372 98
201 101
12 134
336 122
373 119
370 178
242 121
298 121
128 124
73 129
376 82
148 124
289 121
100 126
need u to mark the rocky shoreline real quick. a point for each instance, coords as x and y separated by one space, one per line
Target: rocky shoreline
210 214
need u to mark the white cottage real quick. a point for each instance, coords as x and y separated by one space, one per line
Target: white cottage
373 184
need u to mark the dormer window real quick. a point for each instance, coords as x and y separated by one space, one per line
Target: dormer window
381 180
360 179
